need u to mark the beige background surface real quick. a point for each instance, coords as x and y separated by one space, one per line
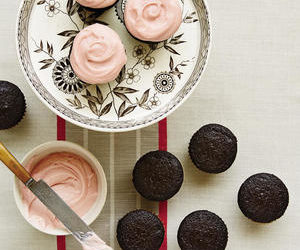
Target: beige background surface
251 85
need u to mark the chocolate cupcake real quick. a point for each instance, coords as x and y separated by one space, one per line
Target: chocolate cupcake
263 198
213 148
97 5
98 54
202 230
12 105
140 229
152 21
158 175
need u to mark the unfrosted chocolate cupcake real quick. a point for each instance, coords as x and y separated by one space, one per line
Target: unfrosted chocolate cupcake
158 175
213 148
202 230
263 198
12 105
139 230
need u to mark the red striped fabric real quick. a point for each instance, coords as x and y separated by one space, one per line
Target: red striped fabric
163 206
61 136
61 129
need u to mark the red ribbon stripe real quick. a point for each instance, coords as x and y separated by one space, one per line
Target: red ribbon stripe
61 136
163 206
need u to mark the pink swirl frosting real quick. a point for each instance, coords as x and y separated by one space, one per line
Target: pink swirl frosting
98 54
71 177
153 20
96 4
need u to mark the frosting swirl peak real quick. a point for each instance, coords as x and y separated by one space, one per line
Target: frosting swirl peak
98 54
153 20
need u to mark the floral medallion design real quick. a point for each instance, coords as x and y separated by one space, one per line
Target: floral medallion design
154 74
65 79
164 82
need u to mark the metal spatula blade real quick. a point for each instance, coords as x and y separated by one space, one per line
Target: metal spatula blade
58 207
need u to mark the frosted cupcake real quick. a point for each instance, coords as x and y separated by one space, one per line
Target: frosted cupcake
97 4
98 54
152 20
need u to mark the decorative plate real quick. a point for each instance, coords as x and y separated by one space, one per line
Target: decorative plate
157 79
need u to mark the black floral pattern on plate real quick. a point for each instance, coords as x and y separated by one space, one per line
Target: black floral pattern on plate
148 62
164 82
139 51
52 8
65 79
132 76
154 101
117 96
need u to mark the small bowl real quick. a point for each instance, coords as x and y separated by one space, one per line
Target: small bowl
63 146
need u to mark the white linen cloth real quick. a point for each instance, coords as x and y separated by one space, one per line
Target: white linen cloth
251 85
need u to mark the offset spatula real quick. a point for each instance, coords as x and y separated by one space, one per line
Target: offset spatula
85 235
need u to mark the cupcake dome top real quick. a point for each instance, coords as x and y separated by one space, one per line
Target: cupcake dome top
98 54
153 20
263 198
158 175
213 148
12 105
96 4
202 230
140 229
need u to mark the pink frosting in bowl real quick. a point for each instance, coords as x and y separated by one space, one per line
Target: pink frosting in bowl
97 4
74 173
153 20
98 54
70 176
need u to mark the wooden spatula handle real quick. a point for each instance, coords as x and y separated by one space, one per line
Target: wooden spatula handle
10 161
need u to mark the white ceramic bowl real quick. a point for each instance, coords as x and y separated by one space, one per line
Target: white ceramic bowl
63 146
